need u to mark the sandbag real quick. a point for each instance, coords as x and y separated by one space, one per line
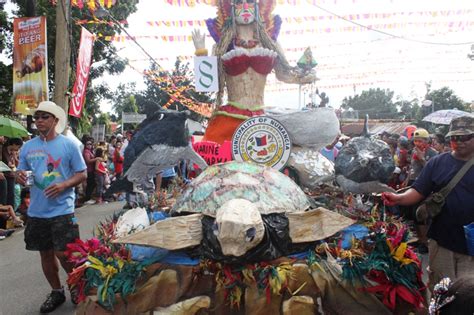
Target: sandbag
313 128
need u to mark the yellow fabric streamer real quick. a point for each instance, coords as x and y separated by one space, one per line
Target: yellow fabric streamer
248 276
283 273
236 297
399 253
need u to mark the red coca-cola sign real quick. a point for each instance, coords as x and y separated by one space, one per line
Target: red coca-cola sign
82 73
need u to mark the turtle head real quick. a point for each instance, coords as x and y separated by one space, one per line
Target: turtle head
239 227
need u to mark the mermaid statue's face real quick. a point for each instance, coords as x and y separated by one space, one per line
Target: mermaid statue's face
244 11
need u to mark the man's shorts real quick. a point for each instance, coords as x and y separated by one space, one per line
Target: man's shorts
51 233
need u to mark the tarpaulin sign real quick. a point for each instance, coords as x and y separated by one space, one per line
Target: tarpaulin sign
30 64
82 73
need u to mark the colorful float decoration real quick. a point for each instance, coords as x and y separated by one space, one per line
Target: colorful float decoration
92 5
242 238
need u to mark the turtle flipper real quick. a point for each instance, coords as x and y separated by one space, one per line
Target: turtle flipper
172 233
315 225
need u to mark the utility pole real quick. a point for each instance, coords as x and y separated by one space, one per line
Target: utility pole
30 12
62 54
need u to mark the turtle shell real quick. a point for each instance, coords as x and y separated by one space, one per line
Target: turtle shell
270 190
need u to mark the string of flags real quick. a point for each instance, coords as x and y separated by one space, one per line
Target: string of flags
92 5
304 19
449 26
315 18
193 3
276 89
97 21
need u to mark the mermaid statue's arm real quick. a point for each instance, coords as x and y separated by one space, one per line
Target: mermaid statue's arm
292 75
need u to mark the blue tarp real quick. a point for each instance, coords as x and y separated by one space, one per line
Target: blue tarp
356 230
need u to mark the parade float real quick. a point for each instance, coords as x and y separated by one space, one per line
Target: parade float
242 238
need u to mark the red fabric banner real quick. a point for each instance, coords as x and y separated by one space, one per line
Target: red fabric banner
82 73
212 152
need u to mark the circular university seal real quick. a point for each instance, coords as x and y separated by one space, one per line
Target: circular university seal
262 140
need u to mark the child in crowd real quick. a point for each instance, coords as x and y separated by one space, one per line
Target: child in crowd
118 159
100 174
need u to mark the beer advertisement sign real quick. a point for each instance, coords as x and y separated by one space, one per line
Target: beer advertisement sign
30 64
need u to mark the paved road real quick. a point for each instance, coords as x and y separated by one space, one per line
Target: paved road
22 285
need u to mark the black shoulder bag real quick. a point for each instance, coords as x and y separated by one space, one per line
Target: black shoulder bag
433 204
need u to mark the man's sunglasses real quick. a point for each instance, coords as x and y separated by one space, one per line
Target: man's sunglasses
43 116
463 138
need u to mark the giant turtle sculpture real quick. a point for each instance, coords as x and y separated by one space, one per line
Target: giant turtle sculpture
241 212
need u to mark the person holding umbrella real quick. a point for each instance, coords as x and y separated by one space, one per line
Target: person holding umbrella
8 129
11 129
57 166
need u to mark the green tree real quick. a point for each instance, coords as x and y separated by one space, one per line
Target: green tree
124 100
104 119
104 58
377 103
6 86
408 109
159 83
444 98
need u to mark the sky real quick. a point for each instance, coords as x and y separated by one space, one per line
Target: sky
350 57
422 41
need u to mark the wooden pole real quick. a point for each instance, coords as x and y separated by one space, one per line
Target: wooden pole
62 54
30 12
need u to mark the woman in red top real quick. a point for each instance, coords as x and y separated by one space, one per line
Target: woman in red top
118 159
100 174
90 159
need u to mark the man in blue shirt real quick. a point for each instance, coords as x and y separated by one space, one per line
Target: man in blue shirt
57 167
448 254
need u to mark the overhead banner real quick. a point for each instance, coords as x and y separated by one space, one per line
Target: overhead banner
82 73
30 64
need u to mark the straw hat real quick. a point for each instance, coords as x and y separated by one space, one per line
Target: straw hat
56 111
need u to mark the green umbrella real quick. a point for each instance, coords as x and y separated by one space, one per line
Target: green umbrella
11 128
4 167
